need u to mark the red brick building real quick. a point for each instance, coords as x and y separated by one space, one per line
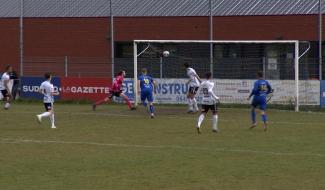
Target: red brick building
86 32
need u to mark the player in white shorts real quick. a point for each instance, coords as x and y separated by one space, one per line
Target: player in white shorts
4 87
193 83
209 102
47 89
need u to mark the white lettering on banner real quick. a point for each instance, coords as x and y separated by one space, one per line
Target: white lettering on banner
128 88
85 89
27 88
173 91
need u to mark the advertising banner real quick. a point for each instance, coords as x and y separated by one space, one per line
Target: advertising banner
30 87
173 91
84 88
237 91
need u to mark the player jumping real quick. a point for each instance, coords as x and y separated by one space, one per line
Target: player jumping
116 90
261 89
193 83
209 102
4 87
147 87
47 90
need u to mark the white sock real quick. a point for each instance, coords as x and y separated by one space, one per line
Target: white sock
52 119
190 104
195 104
45 114
215 122
200 120
7 105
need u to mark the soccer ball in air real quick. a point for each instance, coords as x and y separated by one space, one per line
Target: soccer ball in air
166 53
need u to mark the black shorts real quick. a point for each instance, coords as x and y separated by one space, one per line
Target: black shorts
213 108
48 106
114 93
193 90
5 93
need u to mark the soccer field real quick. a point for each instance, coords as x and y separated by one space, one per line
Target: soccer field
114 148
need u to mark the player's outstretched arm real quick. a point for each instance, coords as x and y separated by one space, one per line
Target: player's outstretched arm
198 78
198 91
40 90
154 86
215 97
255 89
139 89
55 93
250 95
269 88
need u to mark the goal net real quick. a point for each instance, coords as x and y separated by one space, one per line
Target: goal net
234 65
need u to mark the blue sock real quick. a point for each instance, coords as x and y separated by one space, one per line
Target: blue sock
151 108
264 118
253 115
144 103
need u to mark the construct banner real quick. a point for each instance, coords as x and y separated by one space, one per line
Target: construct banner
173 91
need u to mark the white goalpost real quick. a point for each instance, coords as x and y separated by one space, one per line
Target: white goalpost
137 52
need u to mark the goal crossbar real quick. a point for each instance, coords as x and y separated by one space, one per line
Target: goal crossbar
218 41
296 57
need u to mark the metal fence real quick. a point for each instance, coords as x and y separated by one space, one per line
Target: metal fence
68 66
224 68
171 67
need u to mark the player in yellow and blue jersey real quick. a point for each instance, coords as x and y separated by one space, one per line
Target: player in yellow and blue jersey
260 91
147 88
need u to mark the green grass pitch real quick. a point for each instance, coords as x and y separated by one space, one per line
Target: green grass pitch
114 148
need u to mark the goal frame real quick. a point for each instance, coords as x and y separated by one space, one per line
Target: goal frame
296 58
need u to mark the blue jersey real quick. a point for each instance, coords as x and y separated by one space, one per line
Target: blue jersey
146 83
261 88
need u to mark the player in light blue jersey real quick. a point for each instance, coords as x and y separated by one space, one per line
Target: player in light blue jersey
147 87
260 91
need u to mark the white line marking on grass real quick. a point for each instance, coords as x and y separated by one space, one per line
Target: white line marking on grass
168 117
25 141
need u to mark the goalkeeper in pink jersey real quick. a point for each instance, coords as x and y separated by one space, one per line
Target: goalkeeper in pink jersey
116 90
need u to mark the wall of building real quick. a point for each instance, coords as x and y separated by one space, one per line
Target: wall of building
9 43
155 28
66 37
89 37
292 27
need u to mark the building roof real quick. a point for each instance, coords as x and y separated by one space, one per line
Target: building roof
101 8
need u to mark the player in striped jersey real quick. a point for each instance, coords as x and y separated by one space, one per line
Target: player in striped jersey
47 89
209 102
4 87
193 82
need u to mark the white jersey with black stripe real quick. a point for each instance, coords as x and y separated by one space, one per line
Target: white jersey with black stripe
194 82
5 77
209 98
47 89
